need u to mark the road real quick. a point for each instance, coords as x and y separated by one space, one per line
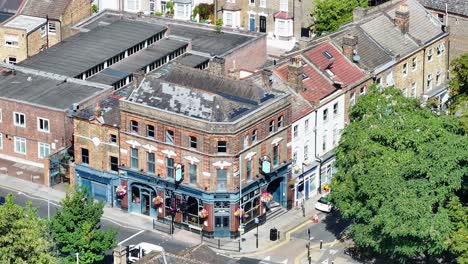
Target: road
295 251
125 235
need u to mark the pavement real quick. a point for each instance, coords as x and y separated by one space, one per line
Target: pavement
292 226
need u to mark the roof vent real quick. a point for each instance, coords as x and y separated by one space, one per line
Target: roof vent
356 58
29 78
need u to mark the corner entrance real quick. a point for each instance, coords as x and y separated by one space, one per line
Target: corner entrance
278 189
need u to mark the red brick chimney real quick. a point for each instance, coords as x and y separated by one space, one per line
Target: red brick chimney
402 18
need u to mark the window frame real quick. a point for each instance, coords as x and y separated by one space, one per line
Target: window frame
112 138
170 139
134 162
39 151
149 131
21 141
134 126
150 163
430 54
24 119
254 136
280 121
219 146
52 30
405 69
335 109
192 177
271 127
170 173
114 164
414 64
193 142
225 172
325 115
295 131
39 119
84 158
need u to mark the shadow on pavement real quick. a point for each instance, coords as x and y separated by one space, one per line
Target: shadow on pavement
335 225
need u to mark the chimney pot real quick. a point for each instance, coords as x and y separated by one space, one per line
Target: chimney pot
349 45
295 72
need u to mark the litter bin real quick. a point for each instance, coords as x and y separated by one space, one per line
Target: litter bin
273 234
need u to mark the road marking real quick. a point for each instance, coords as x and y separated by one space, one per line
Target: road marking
301 255
37 198
325 261
332 244
130 237
333 251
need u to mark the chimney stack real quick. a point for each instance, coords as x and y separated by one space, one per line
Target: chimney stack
217 66
97 110
402 18
295 72
349 45
266 78
138 77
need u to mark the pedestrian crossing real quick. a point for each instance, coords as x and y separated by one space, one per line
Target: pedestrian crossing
269 260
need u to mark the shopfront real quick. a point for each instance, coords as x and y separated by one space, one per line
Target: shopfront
99 185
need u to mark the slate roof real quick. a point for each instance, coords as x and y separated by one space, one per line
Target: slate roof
85 50
423 26
207 40
109 111
371 54
46 90
382 30
459 7
41 8
4 16
10 6
344 71
231 6
197 94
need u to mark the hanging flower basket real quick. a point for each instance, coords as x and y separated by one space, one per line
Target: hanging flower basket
266 197
240 213
121 191
203 214
157 201
326 187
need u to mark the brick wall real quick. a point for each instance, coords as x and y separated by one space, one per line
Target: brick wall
58 124
17 52
249 57
76 11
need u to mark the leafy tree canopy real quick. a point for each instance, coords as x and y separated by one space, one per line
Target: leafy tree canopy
22 235
397 167
329 15
459 89
76 229
458 242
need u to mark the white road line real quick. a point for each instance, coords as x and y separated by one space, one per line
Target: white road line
130 237
333 243
37 198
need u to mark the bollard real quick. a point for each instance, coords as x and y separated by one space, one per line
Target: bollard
321 242
219 243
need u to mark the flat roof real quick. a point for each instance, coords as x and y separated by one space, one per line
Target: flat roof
85 50
28 23
45 89
192 60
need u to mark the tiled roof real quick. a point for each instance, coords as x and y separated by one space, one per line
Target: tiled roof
282 15
423 25
371 54
42 8
459 7
343 71
384 32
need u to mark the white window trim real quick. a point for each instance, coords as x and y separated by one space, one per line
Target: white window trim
39 149
10 38
14 119
39 125
48 28
430 54
405 72
25 145
440 49
415 68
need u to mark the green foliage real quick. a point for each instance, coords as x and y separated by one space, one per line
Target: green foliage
206 11
94 8
23 235
170 7
397 167
76 228
458 242
218 25
329 15
195 12
158 14
459 89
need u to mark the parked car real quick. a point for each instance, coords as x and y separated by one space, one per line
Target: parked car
2 200
138 251
323 205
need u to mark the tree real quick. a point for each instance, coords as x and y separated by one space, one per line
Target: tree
170 7
329 15
398 164
94 8
459 89
218 26
76 228
458 242
23 235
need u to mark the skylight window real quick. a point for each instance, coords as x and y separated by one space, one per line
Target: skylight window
327 55
305 76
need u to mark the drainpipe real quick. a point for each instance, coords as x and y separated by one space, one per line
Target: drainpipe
317 158
240 201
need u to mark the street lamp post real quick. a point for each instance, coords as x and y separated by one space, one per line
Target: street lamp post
77 258
256 222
